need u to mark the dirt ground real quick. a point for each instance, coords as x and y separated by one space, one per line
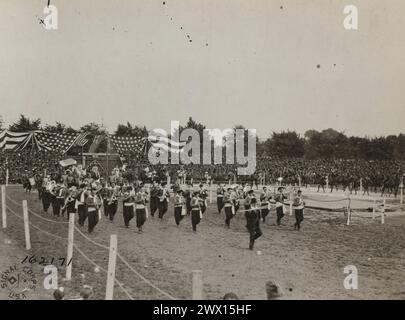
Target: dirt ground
307 264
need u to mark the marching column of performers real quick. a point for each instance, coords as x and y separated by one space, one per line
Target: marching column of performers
88 200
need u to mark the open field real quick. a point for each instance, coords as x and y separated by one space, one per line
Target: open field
307 264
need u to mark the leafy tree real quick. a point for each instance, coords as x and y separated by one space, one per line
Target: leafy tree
25 124
58 128
129 130
285 144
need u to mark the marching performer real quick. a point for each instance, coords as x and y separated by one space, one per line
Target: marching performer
253 223
80 205
93 205
128 202
112 204
202 197
70 202
46 194
280 209
265 198
299 205
179 210
164 196
220 197
196 214
228 207
140 205
154 198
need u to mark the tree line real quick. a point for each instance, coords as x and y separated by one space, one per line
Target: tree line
325 144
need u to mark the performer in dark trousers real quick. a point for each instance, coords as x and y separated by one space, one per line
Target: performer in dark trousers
179 210
202 197
113 203
228 207
280 197
299 205
265 198
220 197
140 205
195 211
70 202
46 196
189 196
106 193
253 223
164 196
128 204
93 205
81 204
154 199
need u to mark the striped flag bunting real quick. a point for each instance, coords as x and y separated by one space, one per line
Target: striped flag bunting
164 143
14 140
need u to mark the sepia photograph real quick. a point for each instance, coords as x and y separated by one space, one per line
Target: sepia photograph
202 151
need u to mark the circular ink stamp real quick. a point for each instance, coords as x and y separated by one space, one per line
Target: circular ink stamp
18 281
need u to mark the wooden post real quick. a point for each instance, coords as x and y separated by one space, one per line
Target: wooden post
401 193
70 247
291 202
211 192
7 176
3 207
361 185
109 293
374 207
26 226
299 182
197 285
383 212
168 180
349 212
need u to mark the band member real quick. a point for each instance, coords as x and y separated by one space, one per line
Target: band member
140 205
70 202
105 194
265 198
164 196
279 198
196 214
128 204
179 210
53 195
81 204
220 197
112 205
202 197
154 198
299 205
228 207
253 223
93 204
189 195
46 195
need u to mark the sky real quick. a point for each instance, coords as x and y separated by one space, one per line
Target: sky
249 62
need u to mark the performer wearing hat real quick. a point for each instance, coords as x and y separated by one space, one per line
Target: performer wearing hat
202 197
179 207
70 202
279 198
164 196
93 204
220 197
195 211
80 205
154 198
299 205
228 207
189 195
265 198
128 202
112 205
46 194
140 205
253 222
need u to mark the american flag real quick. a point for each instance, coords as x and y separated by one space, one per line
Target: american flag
165 143
14 140
61 142
125 144
81 140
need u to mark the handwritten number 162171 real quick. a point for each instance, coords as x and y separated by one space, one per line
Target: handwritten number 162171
44 261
